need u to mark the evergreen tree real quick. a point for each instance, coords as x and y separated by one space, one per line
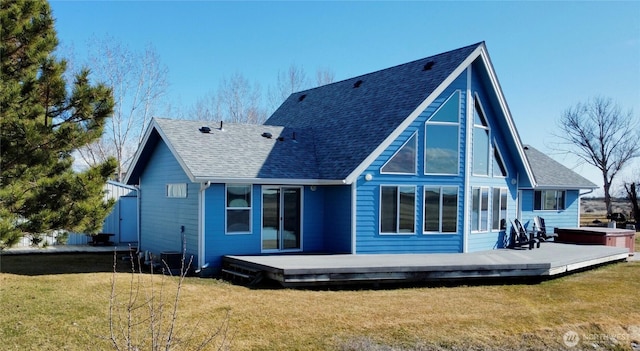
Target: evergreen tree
41 124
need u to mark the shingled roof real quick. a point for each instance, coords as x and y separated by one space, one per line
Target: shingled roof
234 153
550 173
352 117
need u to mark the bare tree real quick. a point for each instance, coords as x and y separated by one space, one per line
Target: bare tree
207 108
240 100
145 314
631 189
324 76
236 100
600 134
139 81
288 82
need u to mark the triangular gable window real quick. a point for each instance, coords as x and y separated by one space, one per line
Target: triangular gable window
450 111
499 170
404 160
478 117
442 146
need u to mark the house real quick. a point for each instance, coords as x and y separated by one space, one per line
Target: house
556 196
423 157
122 221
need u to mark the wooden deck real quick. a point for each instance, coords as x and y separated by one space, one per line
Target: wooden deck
551 259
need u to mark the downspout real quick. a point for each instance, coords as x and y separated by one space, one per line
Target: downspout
580 205
467 165
354 190
138 212
201 223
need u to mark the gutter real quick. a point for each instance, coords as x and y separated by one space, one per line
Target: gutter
587 193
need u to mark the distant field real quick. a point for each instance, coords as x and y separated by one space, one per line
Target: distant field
594 208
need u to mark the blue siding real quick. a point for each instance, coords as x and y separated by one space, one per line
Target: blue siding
368 237
312 220
217 242
326 223
568 218
336 219
501 137
161 217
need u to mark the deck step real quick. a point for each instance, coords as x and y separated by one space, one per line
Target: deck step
237 274
241 274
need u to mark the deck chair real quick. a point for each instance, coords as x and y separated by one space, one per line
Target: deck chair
520 237
540 230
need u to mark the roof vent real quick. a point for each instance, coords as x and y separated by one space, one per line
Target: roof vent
357 84
428 66
204 129
301 97
267 135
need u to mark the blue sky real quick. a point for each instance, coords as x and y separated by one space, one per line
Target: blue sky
548 55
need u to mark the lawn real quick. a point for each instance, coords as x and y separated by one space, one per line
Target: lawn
61 302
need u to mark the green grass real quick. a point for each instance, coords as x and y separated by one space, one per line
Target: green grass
61 302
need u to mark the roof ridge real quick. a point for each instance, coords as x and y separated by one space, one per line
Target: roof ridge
389 68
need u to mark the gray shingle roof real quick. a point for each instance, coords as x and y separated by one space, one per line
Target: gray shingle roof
350 122
550 173
239 151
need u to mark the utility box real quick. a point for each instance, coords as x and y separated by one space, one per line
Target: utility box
171 260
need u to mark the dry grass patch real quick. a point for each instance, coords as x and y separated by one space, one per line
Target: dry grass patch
69 311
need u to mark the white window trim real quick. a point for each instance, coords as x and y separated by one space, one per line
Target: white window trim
506 190
415 199
227 208
478 103
497 149
457 124
280 187
440 232
480 209
177 190
415 162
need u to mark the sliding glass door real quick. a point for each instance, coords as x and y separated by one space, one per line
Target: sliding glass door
281 218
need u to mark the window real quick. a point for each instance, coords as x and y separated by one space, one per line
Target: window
404 160
178 190
238 209
480 209
499 170
549 200
499 207
441 138
480 141
397 209
441 209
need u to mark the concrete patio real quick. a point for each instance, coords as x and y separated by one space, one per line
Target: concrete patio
551 259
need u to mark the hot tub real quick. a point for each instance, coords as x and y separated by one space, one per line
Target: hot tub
597 236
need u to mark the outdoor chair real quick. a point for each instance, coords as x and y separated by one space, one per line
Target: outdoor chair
540 230
520 237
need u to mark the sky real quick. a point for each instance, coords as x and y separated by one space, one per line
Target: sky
548 56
